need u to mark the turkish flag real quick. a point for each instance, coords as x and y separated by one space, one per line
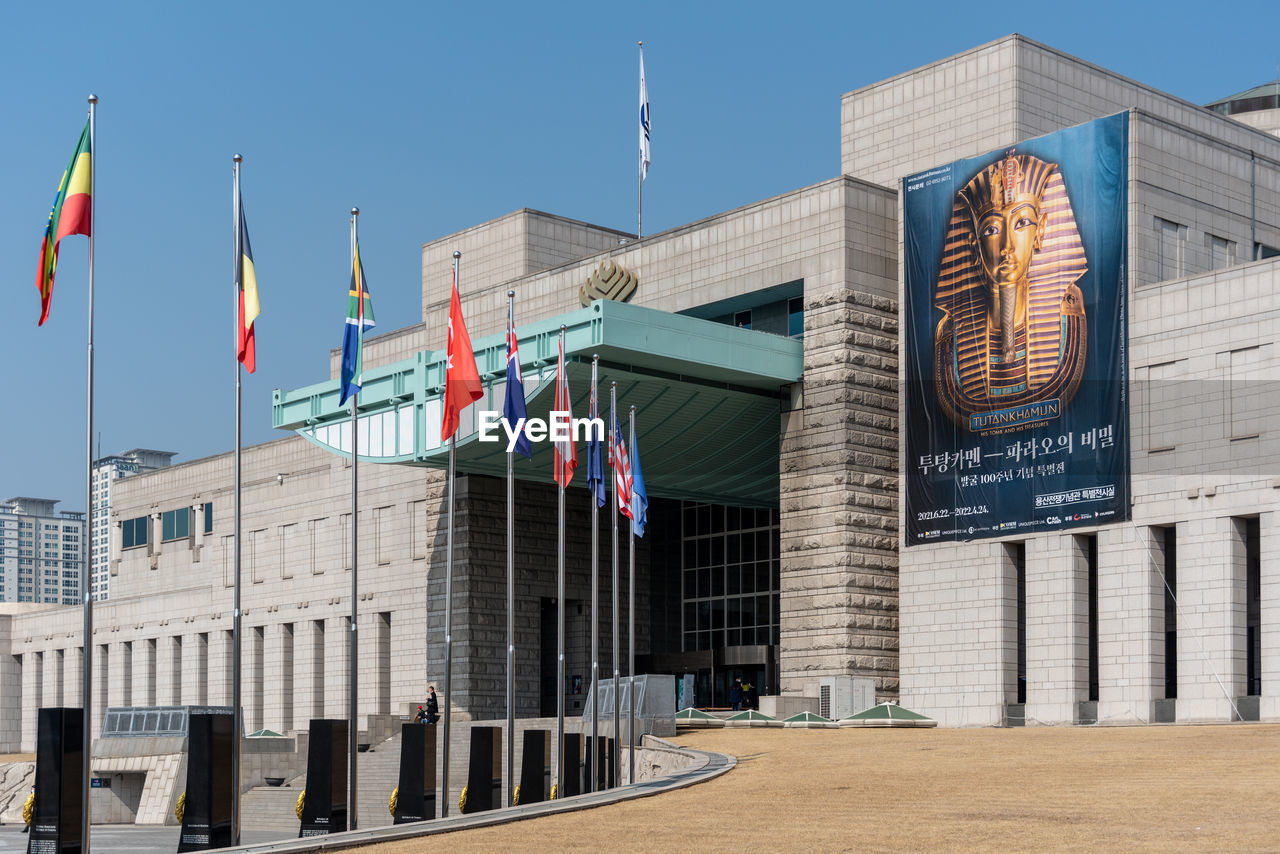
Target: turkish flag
461 378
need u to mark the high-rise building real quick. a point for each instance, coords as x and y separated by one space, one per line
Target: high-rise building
105 471
41 552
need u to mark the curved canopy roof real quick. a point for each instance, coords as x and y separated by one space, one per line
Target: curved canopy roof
708 401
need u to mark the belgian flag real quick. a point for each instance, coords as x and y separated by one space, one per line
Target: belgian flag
247 279
71 212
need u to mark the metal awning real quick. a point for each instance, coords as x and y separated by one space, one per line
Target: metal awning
707 396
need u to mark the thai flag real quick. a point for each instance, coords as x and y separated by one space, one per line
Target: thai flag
513 409
621 462
595 468
566 452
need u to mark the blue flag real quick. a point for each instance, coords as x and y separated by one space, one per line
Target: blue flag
513 410
359 319
639 498
595 461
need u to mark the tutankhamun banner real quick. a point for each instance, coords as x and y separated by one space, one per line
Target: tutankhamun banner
1015 338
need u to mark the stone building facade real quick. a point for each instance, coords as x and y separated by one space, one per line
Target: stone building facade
936 625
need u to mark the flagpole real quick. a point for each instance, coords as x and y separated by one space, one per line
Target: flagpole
352 734
237 724
640 167
86 566
631 623
560 606
448 600
595 590
511 585
613 513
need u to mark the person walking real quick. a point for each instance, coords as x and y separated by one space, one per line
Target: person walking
735 694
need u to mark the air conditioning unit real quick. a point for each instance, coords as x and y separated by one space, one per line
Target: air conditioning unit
842 696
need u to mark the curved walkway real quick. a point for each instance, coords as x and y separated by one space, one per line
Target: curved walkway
706 766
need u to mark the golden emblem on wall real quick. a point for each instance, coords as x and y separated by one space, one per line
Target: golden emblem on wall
608 281
1009 351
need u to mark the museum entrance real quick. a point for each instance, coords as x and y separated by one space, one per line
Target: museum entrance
722 563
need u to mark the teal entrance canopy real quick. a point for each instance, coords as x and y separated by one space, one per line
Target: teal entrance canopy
708 400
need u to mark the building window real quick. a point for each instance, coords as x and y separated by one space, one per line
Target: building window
1222 252
1262 250
175 524
1172 254
742 319
795 317
208 517
133 532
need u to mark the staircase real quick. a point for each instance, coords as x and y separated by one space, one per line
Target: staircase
272 807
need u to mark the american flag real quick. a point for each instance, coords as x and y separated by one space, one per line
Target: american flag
621 462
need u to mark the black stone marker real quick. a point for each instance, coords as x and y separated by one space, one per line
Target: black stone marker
206 815
325 809
599 761
484 771
55 820
606 753
417 774
535 766
572 765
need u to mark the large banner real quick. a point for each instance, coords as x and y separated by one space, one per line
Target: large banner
1015 336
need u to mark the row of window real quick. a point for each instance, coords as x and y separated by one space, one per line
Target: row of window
1173 260
174 525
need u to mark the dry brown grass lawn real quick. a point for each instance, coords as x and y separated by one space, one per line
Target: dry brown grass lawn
1208 788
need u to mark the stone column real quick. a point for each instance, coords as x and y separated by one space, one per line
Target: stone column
1130 622
169 675
278 677
1211 618
101 685
839 448
308 672
145 668
119 684
195 669
252 654
959 633
1057 628
337 675
12 699
220 650
33 697
1269 546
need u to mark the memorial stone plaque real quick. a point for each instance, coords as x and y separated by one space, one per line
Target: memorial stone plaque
325 809
417 773
572 765
484 771
535 766
206 814
55 821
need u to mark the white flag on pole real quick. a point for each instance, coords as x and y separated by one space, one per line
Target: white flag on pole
644 122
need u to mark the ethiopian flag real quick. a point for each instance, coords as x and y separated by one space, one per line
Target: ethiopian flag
359 320
70 215
247 279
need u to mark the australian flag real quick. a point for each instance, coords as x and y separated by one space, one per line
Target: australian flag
513 411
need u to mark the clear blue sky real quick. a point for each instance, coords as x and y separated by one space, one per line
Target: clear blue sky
430 118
